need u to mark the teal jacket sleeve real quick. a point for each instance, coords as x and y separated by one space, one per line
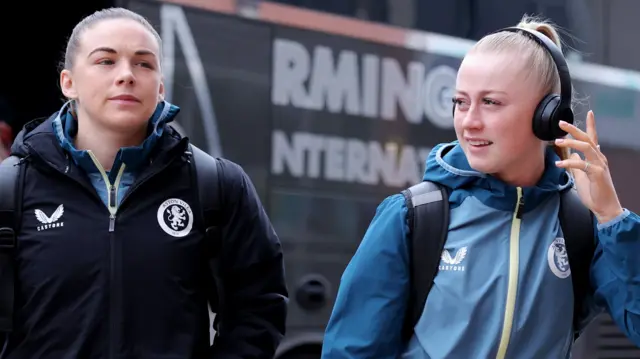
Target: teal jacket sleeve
367 317
615 272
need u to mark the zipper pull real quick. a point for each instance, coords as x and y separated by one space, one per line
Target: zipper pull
112 222
520 209
112 196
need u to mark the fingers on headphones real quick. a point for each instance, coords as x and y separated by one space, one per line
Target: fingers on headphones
585 142
576 133
553 108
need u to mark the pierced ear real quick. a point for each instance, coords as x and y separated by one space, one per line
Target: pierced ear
67 85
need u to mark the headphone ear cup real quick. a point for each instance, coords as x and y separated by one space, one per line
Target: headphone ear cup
545 119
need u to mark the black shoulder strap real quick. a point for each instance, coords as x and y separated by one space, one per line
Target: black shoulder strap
9 195
577 225
428 220
210 198
208 186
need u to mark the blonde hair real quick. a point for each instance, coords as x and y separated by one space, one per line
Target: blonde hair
543 69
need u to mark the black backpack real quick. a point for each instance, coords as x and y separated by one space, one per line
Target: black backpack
11 186
428 220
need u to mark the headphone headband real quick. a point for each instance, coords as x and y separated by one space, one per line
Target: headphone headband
558 59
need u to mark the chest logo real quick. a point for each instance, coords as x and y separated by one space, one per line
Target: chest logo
558 258
175 217
47 222
449 263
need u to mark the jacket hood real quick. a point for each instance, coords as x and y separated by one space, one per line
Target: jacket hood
447 165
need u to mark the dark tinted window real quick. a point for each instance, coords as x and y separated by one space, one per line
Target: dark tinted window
312 217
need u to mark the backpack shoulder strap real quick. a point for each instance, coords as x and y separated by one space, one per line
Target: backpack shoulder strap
9 206
577 225
208 179
208 186
428 220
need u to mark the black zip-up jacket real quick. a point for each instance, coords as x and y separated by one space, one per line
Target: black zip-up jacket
91 288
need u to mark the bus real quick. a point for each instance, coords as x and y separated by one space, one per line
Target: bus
329 115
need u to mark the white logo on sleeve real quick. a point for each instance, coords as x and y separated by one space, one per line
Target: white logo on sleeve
558 258
175 217
453 263
50 222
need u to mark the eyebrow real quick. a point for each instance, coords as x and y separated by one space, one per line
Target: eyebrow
112 51
485 92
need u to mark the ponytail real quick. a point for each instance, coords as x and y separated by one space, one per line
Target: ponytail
562 152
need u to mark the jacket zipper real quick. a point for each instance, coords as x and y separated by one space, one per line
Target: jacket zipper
512 289
112 190
113 199
112 205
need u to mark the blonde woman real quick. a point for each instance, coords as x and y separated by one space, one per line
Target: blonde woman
506 298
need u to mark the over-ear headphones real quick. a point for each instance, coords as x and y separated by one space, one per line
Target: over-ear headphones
553 108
